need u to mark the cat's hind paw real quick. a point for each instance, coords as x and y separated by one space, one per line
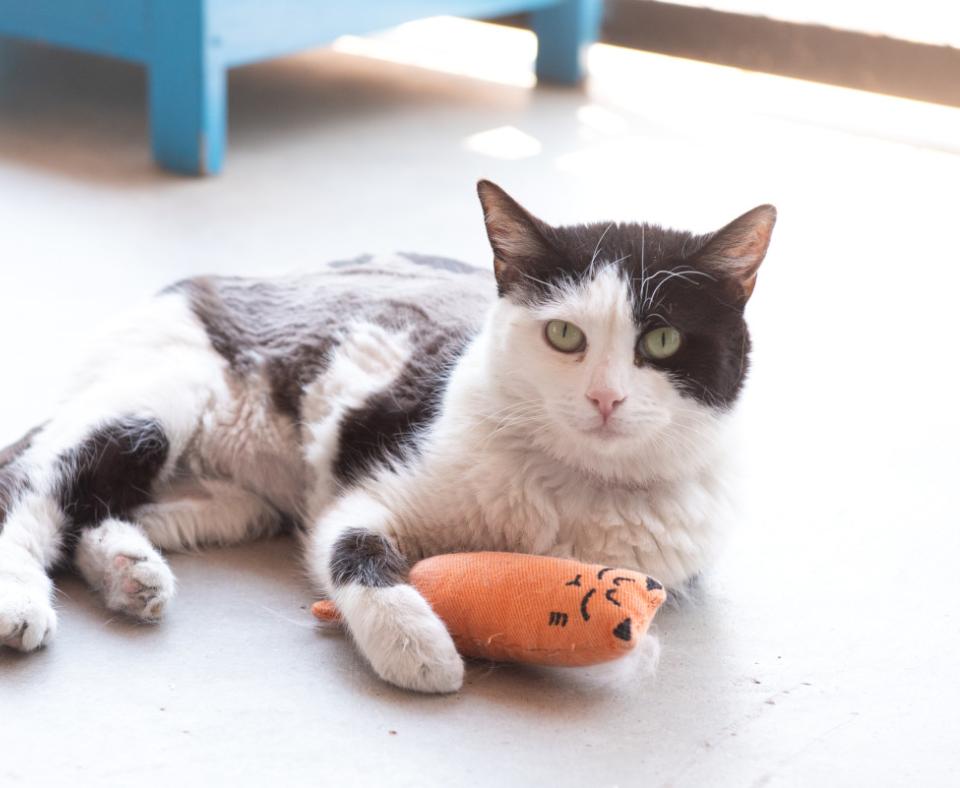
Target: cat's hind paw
139 586
130 574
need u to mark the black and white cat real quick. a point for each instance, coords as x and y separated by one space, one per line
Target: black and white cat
390 409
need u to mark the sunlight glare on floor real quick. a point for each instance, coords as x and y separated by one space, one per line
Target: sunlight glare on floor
505 142
688 92
463 47
702 96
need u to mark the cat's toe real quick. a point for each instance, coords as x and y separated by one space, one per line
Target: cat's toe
27 619
443 675
438 672
140 586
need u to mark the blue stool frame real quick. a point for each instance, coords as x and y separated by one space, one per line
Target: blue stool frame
188 45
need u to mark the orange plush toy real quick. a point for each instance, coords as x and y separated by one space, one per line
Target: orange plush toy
509 607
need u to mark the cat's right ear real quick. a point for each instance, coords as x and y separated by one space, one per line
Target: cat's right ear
736 251
517 237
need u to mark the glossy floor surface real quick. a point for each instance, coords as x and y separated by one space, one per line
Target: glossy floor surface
824 648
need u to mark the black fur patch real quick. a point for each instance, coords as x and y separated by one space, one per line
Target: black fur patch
367 558
288 329
253 323
111 472
388 423
13 479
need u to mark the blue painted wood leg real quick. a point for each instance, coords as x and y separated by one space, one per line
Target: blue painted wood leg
563 33
187 89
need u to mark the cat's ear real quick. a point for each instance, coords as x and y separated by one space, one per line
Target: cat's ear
516 236
736 251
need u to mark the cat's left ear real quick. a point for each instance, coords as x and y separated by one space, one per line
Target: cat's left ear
736 251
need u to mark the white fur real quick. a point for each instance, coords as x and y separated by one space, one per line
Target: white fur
401 636
519 459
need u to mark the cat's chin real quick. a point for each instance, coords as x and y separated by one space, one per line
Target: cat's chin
601 441
570 439
605 433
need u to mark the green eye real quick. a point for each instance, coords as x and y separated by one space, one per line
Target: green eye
565 337
661 343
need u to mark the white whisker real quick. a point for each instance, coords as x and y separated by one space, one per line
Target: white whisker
596 250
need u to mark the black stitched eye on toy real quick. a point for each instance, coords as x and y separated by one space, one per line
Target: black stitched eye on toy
583 604
623 630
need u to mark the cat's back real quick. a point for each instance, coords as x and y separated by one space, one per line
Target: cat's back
288 329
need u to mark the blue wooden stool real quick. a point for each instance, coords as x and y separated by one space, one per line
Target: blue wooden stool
188 45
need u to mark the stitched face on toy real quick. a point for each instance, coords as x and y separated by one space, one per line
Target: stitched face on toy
621 343
610 599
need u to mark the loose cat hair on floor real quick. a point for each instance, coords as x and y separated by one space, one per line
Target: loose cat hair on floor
572 404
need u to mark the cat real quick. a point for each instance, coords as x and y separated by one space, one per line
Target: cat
572 403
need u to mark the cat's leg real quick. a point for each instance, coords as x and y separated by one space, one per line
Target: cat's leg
129 417
120 559
194 513
348 549
78 471
29 545
352 557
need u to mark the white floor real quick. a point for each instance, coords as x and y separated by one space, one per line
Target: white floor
825 649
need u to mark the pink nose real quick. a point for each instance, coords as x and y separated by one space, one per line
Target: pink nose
606 401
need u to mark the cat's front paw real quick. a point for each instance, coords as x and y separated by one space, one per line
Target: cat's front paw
425 665
27 619
407 645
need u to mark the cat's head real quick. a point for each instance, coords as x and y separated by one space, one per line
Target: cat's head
621 343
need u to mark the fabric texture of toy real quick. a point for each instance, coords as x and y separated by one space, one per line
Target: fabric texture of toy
510 607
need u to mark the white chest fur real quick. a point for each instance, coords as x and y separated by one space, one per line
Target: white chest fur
522 502
485 483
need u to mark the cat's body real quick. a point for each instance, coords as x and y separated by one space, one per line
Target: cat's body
390 409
